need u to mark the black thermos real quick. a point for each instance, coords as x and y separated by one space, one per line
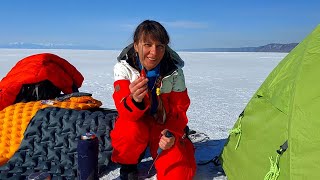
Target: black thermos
88 151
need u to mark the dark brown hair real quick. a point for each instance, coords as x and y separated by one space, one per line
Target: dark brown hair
152 29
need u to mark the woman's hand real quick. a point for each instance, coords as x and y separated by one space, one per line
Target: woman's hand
166 142
139 88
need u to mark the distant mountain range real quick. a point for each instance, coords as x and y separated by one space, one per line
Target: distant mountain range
274 47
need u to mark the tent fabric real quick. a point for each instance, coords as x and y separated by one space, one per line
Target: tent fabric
50 142
34 69
284 108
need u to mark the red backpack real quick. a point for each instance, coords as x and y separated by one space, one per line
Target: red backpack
40 76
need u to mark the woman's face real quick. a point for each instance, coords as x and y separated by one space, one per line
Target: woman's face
150 52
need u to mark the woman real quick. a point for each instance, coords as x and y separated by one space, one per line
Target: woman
151 99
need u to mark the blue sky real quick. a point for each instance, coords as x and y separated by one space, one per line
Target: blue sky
190 23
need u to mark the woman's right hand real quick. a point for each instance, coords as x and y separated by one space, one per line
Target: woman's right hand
138 89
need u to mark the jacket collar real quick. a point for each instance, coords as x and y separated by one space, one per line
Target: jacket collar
177 61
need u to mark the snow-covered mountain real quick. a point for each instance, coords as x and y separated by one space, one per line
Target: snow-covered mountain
273 47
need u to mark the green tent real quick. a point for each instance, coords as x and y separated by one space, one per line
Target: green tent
285 111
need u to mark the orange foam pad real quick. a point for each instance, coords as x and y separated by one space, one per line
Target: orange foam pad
14 120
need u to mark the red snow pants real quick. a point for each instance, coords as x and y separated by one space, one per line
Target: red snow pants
130 138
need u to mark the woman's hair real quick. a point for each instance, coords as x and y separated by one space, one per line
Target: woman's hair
152 29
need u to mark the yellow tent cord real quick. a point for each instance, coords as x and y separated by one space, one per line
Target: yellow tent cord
274 171
236 131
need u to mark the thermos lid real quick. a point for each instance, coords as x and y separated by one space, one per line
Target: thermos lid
88 136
